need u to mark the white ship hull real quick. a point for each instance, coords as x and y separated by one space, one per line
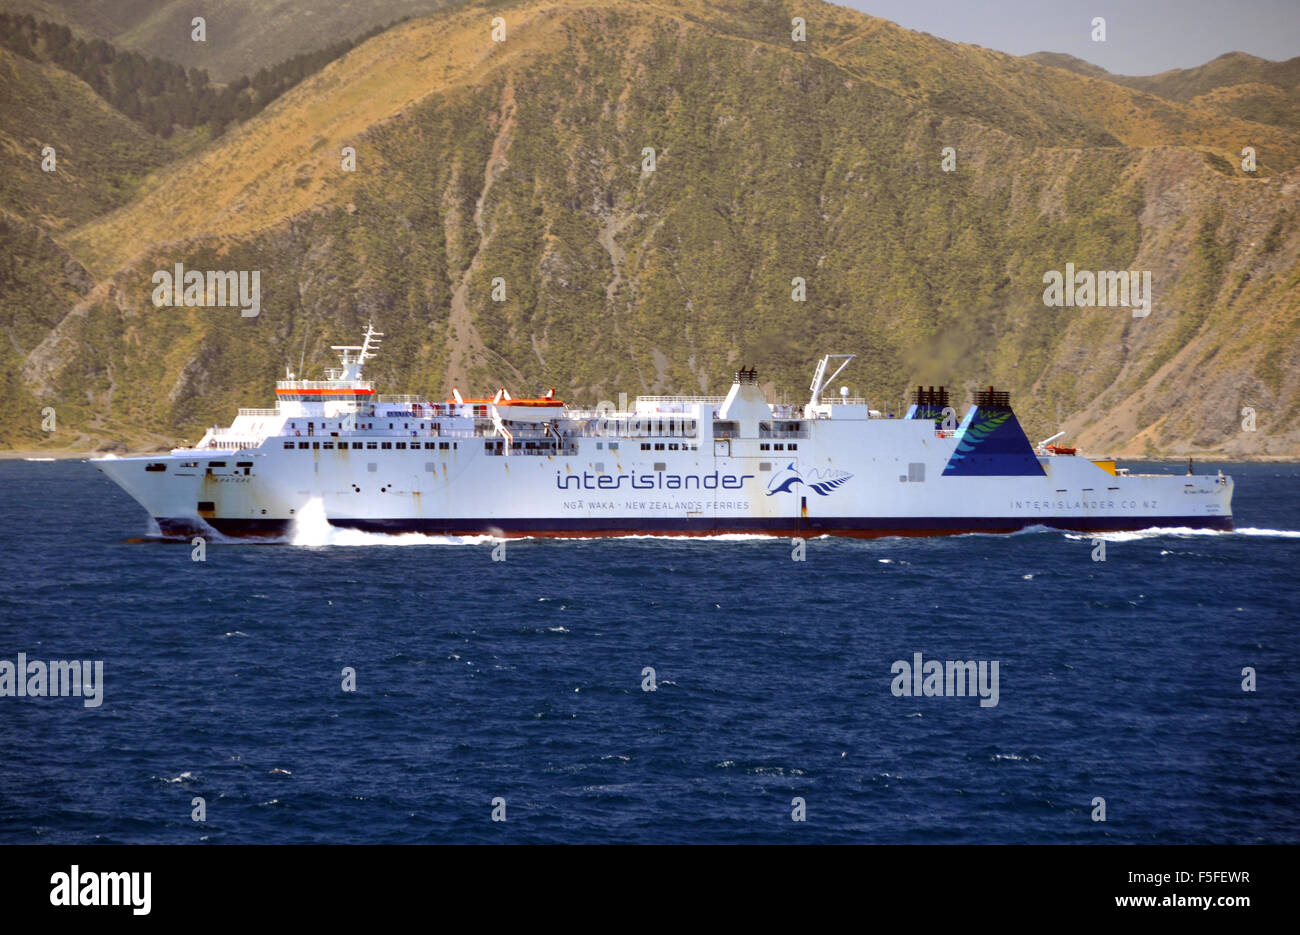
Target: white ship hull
676 466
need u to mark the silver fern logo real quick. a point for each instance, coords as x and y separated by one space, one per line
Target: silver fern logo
821 482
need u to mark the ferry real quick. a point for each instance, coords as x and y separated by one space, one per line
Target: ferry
667 465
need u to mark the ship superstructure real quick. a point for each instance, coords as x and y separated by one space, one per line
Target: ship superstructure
675 465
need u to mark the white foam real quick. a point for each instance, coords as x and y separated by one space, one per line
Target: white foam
311 528
1155 531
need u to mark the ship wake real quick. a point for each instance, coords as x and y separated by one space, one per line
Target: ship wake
1157 531
312 529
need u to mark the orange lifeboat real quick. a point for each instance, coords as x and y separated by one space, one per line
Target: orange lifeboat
528 410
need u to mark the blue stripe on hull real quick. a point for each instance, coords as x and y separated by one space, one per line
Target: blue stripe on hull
848 526
187 526
858 527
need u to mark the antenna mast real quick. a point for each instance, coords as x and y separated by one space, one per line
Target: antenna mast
353 356
820 380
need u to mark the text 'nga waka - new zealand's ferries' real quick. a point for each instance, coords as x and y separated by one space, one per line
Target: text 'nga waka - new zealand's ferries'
673 465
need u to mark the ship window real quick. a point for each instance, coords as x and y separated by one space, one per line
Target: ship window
216 464
765 466
613 446
916 472
302 445
428 466
764 446
489 446
196 464
155 467
778 447
405 425
660 466
599 446
645 446
672 447
442 446
430 446
315 445
659 446
794 447
288 444
386 445
356 445
390 425
329 446
372 445
207 506
243 464
401 445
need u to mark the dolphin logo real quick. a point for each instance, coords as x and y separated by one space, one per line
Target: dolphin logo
820 482
786 478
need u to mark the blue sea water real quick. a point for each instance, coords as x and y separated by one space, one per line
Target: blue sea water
523 680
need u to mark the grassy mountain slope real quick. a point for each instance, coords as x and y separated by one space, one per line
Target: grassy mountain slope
242 35
101 156
1234 84
523 160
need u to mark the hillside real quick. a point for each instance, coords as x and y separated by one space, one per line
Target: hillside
101 156
242 35
1233 85
774 159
